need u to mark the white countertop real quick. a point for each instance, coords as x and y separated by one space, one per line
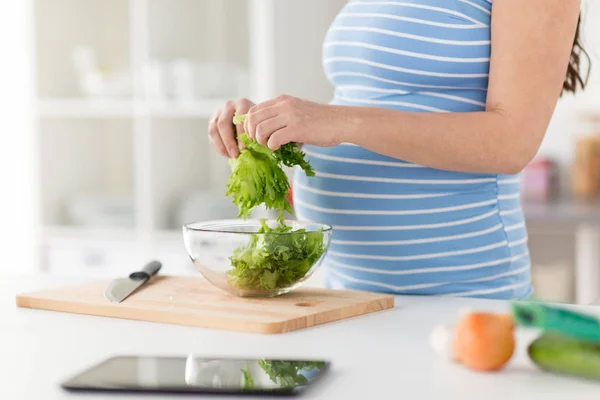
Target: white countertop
382 355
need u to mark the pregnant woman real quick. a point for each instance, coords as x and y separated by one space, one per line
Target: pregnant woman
439 104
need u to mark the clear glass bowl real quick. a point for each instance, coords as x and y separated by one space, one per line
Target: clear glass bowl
234 256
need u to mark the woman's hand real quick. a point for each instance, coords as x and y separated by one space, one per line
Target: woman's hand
222 132
286 119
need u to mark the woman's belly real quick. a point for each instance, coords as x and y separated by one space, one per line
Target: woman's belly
404 228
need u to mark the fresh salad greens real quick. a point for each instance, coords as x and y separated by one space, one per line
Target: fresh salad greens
239 119
287 373
256 178
248 380
257 175
275 257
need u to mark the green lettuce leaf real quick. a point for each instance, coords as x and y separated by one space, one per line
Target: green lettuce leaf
276 257
258 178
273 260
287 373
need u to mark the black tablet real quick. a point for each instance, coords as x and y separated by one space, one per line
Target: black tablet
196 375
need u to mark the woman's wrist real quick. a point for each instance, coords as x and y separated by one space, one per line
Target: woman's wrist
356 123
347 122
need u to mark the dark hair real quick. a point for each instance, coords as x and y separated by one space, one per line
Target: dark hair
574 78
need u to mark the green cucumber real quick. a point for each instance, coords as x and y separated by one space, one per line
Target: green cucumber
564 355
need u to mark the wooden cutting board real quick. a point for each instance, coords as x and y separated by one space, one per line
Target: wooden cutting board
195 302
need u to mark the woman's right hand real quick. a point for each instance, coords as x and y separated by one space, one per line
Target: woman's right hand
222 132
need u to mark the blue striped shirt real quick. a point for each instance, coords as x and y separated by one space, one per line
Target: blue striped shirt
400 227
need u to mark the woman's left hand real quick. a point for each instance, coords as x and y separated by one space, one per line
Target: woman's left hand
286 119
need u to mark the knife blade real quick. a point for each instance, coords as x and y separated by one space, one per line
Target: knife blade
121 288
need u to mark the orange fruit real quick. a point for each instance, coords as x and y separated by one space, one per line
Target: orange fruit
484 341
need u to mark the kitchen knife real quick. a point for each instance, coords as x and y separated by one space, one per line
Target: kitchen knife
119 289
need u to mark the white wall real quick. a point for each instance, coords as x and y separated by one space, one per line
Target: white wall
292 39
567 124
301 27
16 140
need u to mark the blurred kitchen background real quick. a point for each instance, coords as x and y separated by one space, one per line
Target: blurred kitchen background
104 146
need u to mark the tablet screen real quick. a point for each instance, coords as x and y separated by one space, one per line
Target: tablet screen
194 374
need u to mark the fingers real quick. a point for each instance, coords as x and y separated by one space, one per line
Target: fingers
221 130
266 128
242 107
271 102
255 118
264 123
214 137
226 129
279 138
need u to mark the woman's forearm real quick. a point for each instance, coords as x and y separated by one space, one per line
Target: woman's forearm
476 142
532 43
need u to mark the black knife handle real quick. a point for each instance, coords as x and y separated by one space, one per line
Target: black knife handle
147 272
